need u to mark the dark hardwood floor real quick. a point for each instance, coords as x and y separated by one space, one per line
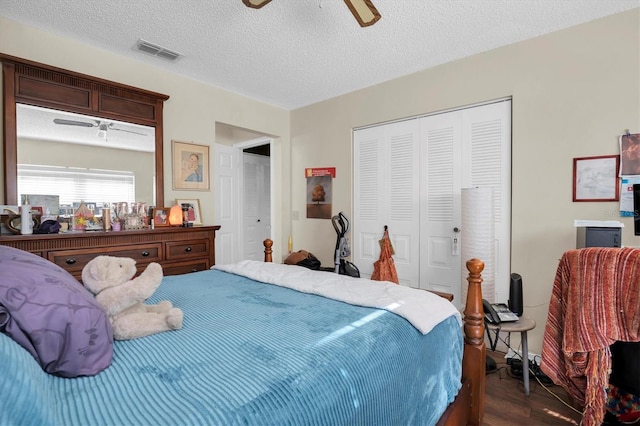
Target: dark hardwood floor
507 405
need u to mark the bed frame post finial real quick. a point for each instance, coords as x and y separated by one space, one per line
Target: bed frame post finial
474 362
268 243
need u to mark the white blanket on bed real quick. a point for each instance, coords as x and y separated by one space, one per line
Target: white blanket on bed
424 310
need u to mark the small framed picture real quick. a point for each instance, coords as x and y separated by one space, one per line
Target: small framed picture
134 221
190 164
193 209
161 217
596 178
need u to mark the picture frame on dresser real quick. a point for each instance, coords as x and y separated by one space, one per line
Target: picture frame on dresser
160 217
193 213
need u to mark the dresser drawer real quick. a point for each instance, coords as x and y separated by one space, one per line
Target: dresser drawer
75 260
187 249
178 268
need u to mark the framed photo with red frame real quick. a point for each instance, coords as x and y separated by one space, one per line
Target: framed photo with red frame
596 178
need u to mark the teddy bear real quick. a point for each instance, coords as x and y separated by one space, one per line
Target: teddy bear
111 280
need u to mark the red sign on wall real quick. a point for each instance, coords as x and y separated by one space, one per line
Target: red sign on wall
320 171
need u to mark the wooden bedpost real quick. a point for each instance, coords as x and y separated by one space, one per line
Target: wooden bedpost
268 243
474 361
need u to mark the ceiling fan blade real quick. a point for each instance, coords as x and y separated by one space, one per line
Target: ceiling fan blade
364 11
127 131
255 4
74 123
111 126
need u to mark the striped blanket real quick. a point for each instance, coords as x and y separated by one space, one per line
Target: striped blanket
595 301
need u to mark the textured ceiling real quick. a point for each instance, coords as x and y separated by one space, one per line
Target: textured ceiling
293 53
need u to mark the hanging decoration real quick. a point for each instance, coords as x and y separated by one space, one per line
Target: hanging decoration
384 269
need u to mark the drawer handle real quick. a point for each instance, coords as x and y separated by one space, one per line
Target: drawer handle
188 249
145 254
70 261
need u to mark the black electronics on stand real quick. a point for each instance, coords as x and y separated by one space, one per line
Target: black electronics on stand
515 295
516 306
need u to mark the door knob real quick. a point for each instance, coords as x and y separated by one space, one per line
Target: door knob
456 229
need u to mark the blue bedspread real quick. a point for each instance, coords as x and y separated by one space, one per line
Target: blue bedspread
249 354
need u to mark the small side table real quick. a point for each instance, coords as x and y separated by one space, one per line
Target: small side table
523 325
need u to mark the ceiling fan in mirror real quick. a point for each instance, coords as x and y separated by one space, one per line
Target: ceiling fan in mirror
103 126
363 10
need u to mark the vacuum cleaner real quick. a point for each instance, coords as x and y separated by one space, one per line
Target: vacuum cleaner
342 266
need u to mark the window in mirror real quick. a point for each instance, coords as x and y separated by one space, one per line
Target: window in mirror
98 188
84 158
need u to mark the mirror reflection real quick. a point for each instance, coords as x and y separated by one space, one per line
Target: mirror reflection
83 158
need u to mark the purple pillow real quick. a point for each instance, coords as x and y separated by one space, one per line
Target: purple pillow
47 311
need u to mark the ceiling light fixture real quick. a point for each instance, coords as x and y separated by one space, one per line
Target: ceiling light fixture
363 10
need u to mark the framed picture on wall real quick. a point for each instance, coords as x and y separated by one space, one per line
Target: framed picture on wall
193 209
596 178
190 164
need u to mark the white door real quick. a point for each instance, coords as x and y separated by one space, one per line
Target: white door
463 149
386 190
487 163
226 178
368 197
440 213
256 204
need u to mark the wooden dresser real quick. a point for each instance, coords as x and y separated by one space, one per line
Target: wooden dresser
179 250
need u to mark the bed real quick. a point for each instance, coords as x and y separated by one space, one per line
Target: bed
260 353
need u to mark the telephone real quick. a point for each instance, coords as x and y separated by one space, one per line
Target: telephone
497 312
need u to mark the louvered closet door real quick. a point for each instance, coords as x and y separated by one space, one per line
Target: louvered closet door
463 149
386 193
440 183
486 147
409 175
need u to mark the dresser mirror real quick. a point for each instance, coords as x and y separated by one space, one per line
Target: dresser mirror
83 158
54 117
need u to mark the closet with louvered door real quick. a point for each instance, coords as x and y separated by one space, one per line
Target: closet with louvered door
408 175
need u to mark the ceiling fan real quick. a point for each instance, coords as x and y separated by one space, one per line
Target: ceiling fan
102 126
363 10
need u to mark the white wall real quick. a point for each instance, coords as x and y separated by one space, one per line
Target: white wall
574 92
